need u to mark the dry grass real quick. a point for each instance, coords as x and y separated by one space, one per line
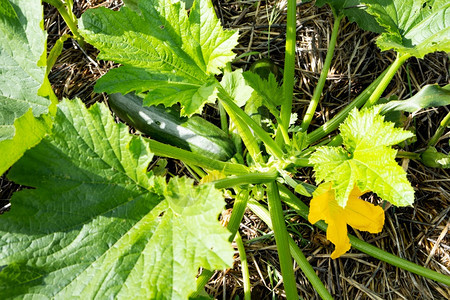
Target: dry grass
418 233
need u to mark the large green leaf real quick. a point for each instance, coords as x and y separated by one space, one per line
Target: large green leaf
430 95
413 27
97 224
22 77
354 11
366 159
163 49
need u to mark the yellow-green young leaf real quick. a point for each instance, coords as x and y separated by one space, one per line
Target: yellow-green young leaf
165 51
268 89
413 27
22 77
97 224
366 160
234 83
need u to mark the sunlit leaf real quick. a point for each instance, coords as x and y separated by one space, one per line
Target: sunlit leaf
366 160
97 223
164 51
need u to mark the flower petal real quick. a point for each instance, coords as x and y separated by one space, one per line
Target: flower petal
324 206
319 208
337 234
363 215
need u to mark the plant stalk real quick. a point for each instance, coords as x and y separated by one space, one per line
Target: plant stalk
233 109
289 64
65 10
245 133
239 206
323 77
161 149
334 123
375 96
406 154
282 241
440 131
223 119
244 267
297 254
368 97
251 178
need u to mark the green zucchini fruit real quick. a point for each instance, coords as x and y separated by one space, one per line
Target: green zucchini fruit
164 125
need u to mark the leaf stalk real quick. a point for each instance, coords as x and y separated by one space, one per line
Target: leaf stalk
289 64
334 123
161 149
297 254
281 239
323 77
440 131
251 178
244 267
376 94
65 10
233 109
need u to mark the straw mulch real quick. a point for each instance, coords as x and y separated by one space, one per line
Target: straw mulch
418 233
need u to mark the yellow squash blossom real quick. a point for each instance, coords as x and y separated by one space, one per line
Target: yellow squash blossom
357 213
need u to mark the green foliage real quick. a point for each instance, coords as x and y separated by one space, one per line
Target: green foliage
268 89
413 27
23 76
366 160
234 83
162 50
428 96
355 11
435 159
98 224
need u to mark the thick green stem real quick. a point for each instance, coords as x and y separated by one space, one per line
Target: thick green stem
303 210
300 162
188 157
250 141
368 97
251 178
297 254
397 261
69 17
289 64
223 119
239 206
440 131
282 241
233 109
244 267
334 123
56 52
201 281
323 77
406 154
398 62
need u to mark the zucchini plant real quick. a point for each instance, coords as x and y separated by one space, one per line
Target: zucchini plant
97 223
